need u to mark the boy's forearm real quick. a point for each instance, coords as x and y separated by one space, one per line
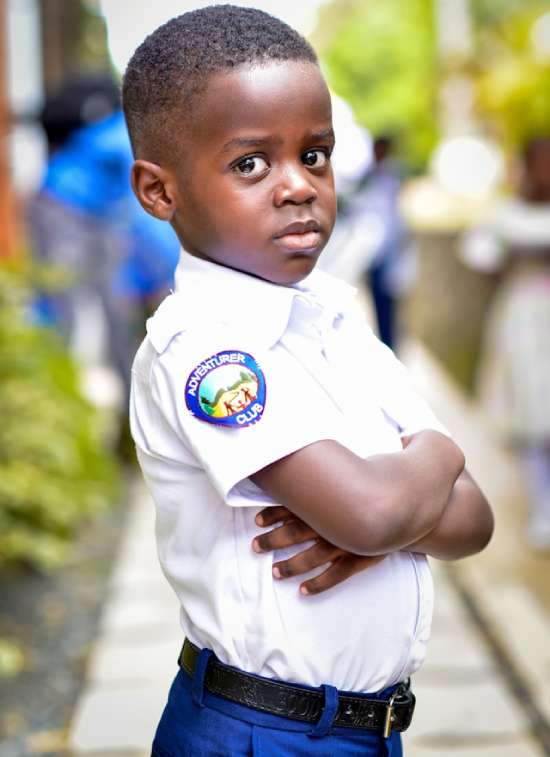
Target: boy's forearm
465 527
419 481
367 506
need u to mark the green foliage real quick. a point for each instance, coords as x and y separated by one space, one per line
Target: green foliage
54 471
513 86
488 15
380 57
12 659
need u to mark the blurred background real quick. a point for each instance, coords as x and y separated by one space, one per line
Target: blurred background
442 165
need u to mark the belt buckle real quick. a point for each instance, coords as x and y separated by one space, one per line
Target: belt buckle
404 689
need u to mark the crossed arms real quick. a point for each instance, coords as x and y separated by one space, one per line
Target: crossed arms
358 510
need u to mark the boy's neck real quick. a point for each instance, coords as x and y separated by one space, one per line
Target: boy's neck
204 258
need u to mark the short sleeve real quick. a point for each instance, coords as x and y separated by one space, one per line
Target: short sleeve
211 395
396 393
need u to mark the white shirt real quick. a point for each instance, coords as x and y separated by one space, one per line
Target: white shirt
326 377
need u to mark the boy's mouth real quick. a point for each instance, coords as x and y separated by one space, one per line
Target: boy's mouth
299 236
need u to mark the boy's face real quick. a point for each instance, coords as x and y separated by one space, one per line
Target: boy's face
253 188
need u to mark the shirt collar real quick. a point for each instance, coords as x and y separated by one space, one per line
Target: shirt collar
208 293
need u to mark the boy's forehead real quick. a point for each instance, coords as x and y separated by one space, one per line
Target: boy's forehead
261 98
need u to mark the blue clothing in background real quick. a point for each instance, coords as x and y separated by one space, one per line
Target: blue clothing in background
91 174
391 267
118 261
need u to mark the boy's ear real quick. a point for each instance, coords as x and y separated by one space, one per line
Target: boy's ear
155 189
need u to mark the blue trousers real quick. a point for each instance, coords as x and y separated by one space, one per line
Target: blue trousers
196 723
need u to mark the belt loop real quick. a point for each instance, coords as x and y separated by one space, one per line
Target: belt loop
197 690
330 708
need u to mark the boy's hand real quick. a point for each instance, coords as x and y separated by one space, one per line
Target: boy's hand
294 531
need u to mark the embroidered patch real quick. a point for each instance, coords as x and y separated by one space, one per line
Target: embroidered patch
227 389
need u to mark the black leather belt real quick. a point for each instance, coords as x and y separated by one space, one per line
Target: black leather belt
294 702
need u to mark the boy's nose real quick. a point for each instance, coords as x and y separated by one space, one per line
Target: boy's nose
294 187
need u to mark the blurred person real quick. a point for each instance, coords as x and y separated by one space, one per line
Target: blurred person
86 220
58 229
515 372
391 266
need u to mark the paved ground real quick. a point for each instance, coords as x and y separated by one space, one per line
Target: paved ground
465 705
503 587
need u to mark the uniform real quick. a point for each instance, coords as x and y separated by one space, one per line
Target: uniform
235 373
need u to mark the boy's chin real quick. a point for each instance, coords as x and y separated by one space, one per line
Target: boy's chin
293 269
292 273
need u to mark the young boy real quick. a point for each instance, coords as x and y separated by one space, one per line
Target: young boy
259 398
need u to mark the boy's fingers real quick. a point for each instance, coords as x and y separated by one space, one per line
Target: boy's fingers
270 515
290 533
314 557
341 569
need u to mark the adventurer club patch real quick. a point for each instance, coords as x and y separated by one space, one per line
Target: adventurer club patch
227 389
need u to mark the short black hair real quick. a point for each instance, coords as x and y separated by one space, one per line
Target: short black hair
172 65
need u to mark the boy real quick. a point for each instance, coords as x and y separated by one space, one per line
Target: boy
258 398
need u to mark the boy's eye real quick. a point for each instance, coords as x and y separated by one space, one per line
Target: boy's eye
315 158
252 166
